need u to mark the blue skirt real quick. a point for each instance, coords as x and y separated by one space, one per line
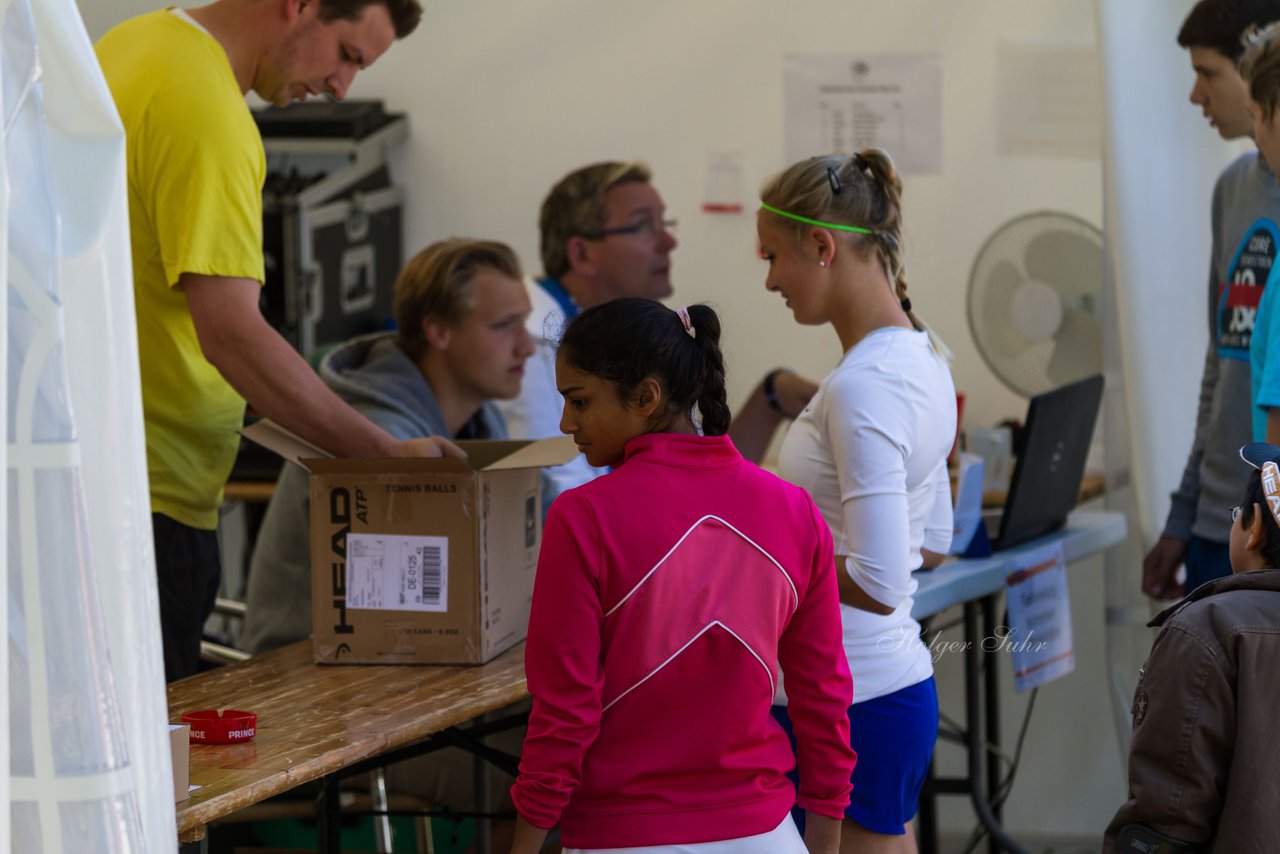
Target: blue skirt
894 737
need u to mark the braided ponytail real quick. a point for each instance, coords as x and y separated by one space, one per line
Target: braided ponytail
710 394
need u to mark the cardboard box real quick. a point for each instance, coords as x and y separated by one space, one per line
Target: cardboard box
180 749
422 561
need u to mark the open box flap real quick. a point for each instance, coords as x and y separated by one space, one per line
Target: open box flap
490 455
273 437
482 454
387 465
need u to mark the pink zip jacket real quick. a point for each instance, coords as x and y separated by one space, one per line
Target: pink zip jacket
668 594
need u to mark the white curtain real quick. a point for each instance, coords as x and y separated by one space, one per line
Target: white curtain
87 747
1161 160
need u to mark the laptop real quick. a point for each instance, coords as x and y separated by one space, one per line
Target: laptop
1045 486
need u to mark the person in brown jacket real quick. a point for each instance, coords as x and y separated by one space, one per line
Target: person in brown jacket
1204 764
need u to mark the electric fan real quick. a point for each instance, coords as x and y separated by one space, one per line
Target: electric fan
1035 293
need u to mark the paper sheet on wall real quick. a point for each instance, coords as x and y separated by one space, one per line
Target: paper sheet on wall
847 102
1039 633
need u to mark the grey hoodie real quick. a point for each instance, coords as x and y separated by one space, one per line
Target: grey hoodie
379 381
1246 208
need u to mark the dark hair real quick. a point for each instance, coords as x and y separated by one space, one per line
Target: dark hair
628 340
1253 494
1219 24
405 14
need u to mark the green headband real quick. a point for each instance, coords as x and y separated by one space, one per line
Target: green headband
859 229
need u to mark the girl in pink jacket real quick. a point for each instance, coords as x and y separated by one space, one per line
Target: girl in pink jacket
670 594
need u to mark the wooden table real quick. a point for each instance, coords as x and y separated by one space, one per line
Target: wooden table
315 720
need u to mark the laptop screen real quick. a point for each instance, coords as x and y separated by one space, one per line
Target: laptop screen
1055 445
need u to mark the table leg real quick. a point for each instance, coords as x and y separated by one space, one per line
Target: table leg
382 835
976 733
991 706
484 829
927 814
329 812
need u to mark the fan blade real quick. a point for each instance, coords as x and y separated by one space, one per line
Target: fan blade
989 315
1077 349
1071 261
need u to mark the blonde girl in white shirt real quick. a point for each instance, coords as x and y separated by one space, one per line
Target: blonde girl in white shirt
871 448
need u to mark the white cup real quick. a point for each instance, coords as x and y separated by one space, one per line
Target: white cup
995 446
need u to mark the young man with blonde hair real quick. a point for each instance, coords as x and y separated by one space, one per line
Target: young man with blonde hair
460 309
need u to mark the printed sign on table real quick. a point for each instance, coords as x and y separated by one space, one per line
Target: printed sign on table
1039 636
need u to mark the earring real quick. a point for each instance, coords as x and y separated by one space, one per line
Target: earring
822 263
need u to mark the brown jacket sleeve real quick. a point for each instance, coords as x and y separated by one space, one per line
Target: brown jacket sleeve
1183 737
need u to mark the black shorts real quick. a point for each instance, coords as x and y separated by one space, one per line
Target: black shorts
188 570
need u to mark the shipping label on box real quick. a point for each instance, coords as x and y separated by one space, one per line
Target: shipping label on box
397 572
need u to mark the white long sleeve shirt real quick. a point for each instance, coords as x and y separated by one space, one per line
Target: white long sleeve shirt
871 448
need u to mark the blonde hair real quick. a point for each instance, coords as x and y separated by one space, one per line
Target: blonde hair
575 208
1260 66
863 191
437 283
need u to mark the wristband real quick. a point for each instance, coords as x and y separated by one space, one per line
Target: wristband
209 726
770 396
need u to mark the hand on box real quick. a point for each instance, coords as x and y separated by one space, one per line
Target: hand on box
429 446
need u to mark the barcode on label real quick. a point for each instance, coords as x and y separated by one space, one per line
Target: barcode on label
432 575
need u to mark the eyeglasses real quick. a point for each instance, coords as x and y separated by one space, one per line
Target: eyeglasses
645 228
1235 513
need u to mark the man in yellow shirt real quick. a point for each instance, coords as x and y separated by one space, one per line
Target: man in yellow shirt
196 167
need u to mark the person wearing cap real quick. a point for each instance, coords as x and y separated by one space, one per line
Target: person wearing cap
1203 759
604 235
1245 213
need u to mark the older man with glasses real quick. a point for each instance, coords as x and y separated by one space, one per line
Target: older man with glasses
605 235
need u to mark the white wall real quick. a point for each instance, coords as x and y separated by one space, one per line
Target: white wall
504 98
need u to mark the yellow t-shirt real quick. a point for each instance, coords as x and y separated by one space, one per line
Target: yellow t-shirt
195 170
